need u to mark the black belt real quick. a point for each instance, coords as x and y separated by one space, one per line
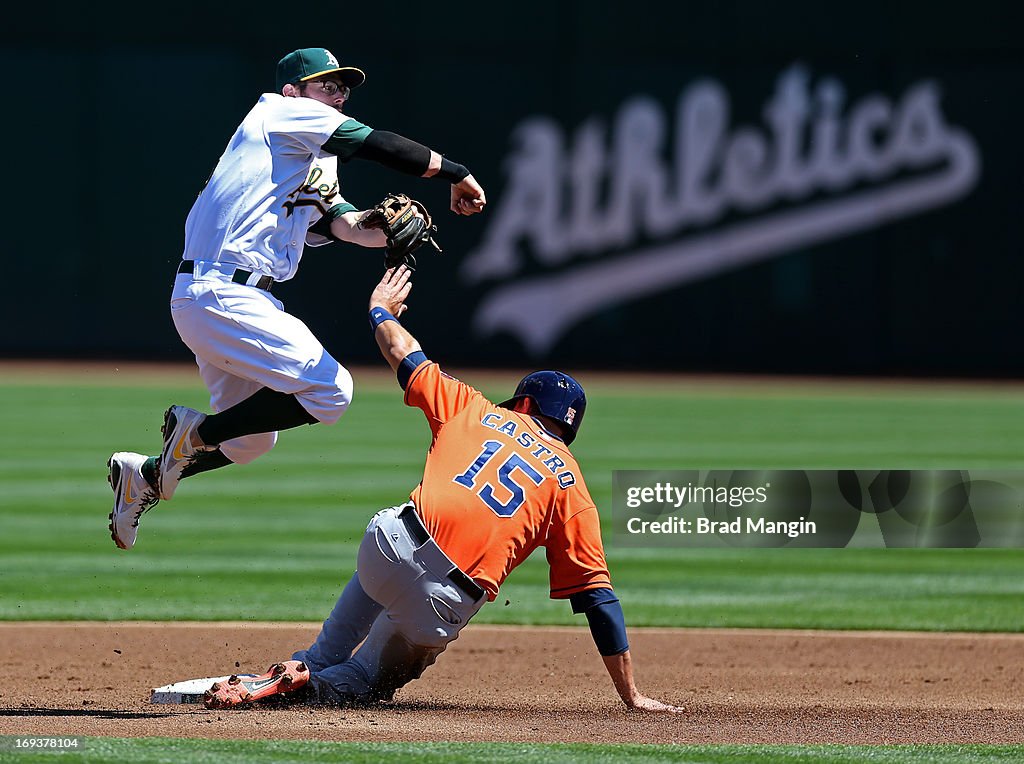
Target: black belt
240 276
417 530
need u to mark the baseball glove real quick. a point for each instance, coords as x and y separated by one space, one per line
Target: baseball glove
406 231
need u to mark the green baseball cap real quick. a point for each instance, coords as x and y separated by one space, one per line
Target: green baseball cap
307 63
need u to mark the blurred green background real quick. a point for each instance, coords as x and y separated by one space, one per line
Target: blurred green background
276 540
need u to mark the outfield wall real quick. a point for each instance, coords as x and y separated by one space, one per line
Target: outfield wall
732 186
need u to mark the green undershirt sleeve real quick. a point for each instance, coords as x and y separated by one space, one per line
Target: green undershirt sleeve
347 139
323 225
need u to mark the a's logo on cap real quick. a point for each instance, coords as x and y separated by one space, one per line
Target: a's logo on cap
331 59
570 415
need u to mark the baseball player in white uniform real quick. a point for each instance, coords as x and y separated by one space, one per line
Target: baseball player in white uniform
274 190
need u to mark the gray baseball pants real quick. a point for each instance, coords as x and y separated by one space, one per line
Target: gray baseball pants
407 600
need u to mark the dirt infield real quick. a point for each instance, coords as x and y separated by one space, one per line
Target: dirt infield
536 684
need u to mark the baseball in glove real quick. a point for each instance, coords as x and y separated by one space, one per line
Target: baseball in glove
406 231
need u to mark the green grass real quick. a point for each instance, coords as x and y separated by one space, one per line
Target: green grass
174 750
278 537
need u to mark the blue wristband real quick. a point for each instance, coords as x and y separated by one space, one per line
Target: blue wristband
378 316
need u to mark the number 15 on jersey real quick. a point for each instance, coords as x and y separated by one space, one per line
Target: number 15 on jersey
514 465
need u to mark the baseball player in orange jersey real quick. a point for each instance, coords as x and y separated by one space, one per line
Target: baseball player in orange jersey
499 481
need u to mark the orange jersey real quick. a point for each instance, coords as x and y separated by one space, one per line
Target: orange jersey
496 485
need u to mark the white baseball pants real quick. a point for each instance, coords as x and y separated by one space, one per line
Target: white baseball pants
244 340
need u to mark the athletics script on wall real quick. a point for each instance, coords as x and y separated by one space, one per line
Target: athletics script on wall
649 201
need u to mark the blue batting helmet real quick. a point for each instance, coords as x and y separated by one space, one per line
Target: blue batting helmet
556 395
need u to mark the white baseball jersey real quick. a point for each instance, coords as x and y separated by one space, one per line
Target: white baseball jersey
271 184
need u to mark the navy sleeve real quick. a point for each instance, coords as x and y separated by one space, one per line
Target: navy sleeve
408 366
604 614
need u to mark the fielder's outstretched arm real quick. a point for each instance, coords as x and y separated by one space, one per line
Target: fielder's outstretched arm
354 140
344 226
